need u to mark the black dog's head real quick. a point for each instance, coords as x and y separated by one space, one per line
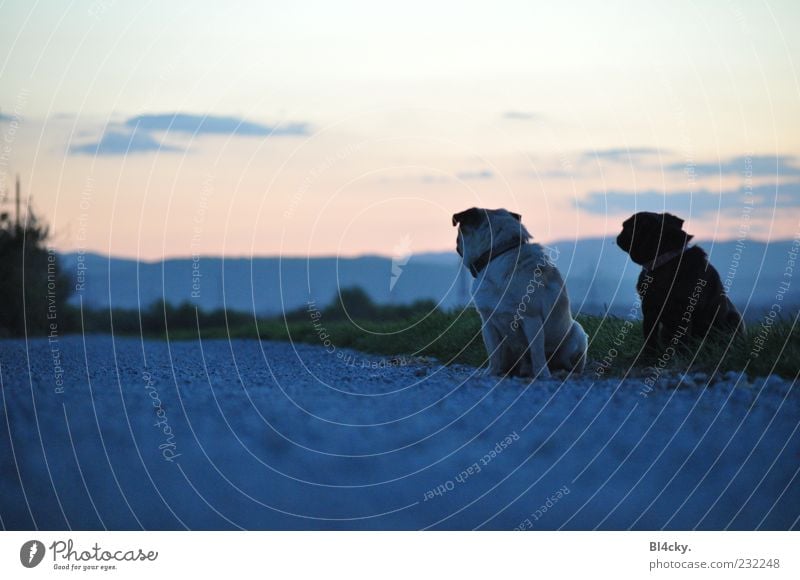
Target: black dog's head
646 235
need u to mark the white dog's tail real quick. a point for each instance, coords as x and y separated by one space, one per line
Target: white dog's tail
579 341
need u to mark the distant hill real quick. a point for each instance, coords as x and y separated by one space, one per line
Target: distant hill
600 278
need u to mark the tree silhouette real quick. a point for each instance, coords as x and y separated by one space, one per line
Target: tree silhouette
33 290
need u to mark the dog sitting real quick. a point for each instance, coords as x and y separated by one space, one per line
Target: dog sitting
527 326
682 294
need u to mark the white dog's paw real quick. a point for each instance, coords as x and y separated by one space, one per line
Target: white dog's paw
492 371
485 371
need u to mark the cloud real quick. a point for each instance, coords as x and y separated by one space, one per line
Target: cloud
622 154
554 173
213 125
586 163
437 178
430 178
481 174
115 142
413 178
520 116
135 134
687 203
755 165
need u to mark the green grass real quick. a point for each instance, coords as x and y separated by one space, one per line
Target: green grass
454 337
451 338
420 329
615 349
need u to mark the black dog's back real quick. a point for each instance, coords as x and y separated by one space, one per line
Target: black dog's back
686 296
682 294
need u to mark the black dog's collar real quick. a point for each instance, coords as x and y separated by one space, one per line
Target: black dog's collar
477 266
664 258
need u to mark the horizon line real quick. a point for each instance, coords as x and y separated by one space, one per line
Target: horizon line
356 256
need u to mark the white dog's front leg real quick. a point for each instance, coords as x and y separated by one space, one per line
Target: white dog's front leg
534 334
494 348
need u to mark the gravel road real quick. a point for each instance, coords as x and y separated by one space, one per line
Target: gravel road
101 432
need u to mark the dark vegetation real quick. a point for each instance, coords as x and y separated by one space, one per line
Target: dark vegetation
34 293
33 290
454 337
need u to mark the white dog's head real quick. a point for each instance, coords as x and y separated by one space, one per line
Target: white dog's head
480 230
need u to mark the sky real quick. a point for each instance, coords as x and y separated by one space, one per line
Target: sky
165 129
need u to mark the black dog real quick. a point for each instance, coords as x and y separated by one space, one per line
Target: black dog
682 294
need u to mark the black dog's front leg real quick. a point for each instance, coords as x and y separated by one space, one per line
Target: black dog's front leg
650 327
676 324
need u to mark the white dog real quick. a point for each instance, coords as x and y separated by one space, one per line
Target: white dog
520 296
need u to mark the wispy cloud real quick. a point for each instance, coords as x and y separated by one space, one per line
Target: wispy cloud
137 134
687 203
428 178
115 142
623 154
213 125
521 116
438 178
471 175
755 165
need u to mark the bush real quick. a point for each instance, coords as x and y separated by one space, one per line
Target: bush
33 290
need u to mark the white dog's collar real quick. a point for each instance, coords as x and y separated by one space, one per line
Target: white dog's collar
477 266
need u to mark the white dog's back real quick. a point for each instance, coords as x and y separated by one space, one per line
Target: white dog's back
520 296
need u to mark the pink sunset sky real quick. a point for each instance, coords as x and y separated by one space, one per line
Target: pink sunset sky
156 130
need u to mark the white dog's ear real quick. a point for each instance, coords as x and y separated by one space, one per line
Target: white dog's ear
470 217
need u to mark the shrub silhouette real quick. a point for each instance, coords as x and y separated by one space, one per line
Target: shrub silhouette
33 290
351 302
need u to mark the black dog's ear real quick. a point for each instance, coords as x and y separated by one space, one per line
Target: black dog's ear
516 216
470 217
672 221
673 230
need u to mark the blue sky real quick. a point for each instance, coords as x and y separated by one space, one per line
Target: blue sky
313 127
